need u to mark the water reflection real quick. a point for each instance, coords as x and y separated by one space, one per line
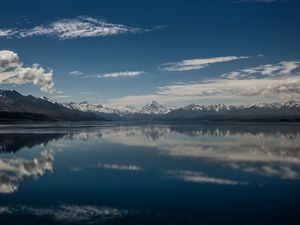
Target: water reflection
13 170
109 172
119 167
13 142
198 177
75 214
266 151
269 150
212 143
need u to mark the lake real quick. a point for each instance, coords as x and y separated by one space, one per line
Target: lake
110 173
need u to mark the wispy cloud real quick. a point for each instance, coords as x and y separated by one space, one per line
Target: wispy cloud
12 71
76 73
270 70
59 97
267 82
72 28
196 64
219 90
121 74
6 32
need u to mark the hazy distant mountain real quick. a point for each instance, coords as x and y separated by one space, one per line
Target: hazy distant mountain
99 110
86 107
16 107
152 108
289 111
147 112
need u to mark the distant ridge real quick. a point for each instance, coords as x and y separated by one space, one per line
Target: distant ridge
16 107
154 111
288 111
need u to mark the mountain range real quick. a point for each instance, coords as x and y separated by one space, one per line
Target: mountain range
153 110
14 106
288 111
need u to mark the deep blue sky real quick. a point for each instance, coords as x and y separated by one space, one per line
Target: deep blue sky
170 31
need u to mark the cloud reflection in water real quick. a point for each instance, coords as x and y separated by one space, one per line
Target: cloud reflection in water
198 177
12 171
268 151
66 213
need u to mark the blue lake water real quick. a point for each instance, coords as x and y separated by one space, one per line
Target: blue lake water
150 174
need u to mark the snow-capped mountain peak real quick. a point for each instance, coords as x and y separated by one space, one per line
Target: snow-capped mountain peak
152 108
155 108
260 105
288 104
217 107
127 109
86 107
292 104
193 107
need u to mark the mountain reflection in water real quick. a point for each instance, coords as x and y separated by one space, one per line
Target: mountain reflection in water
154 174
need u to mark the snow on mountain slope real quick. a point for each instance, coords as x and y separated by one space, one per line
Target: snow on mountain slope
127 109
86 107
151 108
224 108
292 104
155 108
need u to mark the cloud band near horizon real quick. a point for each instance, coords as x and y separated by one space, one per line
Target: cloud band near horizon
275 82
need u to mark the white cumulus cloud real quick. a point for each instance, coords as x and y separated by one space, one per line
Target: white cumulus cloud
12 171
12 71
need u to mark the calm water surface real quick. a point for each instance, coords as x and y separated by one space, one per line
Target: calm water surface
150 174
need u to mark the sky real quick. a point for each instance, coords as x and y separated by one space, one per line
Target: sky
130 52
